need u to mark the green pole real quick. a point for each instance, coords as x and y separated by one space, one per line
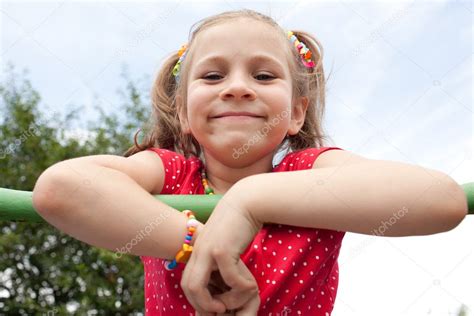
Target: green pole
16 205
469 190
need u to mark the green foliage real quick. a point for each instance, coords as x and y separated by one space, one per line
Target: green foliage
43 271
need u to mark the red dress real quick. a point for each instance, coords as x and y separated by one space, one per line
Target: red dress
295 267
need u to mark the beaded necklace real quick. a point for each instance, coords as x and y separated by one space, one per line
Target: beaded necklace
207 189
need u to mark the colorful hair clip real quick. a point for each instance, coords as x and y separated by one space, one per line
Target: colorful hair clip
181 53
303 51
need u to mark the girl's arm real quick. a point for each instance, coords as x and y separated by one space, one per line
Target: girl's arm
105 201
368 197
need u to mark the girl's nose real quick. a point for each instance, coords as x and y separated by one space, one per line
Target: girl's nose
238 88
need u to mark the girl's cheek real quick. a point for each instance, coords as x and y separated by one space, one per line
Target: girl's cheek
201 98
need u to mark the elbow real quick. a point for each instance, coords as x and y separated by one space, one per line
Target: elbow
45 193
40 198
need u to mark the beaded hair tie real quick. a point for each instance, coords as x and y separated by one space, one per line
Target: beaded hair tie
303 51
181 53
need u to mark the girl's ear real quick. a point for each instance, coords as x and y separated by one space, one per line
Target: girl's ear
182 113
298 115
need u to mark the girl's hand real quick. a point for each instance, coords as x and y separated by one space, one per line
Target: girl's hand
224 237
217 286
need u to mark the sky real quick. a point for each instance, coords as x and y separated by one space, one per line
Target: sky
400 89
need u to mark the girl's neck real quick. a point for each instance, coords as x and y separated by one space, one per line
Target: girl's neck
221 176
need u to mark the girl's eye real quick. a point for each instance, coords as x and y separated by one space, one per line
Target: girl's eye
264 77
212 77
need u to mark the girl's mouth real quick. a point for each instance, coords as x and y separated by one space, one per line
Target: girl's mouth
233 113
237 118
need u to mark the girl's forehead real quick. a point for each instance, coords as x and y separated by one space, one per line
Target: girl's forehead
240 26
240 36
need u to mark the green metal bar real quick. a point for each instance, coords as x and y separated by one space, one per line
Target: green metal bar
469 190
16 205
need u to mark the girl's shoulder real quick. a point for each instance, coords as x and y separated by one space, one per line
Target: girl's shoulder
301 159
167 154
181 173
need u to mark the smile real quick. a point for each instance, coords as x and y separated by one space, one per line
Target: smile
237 118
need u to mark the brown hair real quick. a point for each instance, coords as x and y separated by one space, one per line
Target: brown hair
163 130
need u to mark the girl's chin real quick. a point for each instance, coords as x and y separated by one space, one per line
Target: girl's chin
238 148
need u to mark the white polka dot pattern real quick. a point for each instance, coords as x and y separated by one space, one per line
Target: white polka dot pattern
296 268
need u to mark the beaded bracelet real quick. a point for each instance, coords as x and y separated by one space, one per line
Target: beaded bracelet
184 254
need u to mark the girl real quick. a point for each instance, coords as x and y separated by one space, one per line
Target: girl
241 91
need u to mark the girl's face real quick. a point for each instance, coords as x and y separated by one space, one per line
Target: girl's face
240 66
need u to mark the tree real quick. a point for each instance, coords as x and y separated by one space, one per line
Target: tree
41 269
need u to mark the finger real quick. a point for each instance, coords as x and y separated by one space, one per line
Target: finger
235 274
232 299
194 285
239 294
251 307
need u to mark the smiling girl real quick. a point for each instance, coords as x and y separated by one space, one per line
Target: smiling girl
239 92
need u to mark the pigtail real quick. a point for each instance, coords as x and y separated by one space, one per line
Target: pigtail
163 130
310 82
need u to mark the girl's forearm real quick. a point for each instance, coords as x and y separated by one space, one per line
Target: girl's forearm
106 208
377 197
